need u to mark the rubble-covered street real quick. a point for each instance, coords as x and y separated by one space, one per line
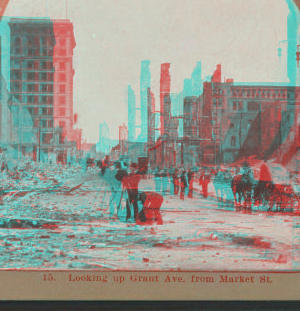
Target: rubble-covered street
58 225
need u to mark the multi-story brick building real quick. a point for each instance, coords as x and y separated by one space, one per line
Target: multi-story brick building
240 120
192 108
41 85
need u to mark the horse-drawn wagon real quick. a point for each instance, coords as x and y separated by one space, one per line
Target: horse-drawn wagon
269 189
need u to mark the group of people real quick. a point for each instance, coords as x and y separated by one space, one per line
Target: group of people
183 179
123 186
172 180
123 182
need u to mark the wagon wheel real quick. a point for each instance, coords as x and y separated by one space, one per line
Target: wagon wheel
292 204
286 202
296 203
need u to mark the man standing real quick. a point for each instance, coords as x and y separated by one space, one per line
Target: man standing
165 181
105 164
157 179
131 184
176 182
183 184
205 181
191 183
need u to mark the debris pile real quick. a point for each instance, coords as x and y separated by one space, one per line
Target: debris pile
22 185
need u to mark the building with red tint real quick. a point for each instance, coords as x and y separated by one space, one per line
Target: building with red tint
217 75
242 120
63 76
151 118
192 108
165 87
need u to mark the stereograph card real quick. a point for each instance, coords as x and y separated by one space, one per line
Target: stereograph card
149 150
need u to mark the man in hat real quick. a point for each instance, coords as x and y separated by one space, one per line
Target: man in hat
131 184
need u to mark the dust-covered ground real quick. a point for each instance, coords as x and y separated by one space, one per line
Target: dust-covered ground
71 230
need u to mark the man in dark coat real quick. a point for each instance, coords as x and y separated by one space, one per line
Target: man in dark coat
131 184
176 182
191 183
183 184
104 165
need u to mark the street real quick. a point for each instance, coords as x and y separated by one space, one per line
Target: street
197 234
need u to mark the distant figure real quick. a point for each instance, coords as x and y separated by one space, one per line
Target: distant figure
248 180
183 185
219 183
171 179
176 182
105 164
205 179
4 166
157 179
165 181
191 182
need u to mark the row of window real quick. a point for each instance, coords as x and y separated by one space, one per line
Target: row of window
36 64
39 99
38 51
43 123
46 88
36 111
256 93
253 93
37 40
36 46
33 99
37 76
238 105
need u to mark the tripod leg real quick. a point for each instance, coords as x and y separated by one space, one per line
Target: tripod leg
111 199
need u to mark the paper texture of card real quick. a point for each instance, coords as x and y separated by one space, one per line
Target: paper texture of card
149 150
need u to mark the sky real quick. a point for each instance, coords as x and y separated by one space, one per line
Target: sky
114 36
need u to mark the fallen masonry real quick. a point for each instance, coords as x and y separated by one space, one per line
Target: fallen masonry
26 223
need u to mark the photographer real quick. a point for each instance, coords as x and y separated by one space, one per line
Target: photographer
131 184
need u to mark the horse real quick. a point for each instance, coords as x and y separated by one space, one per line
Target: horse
242 186
237 189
